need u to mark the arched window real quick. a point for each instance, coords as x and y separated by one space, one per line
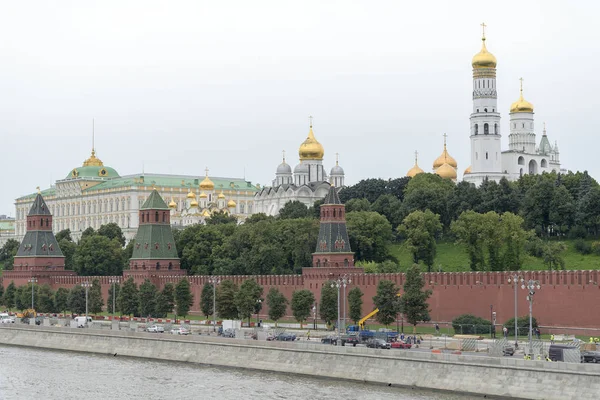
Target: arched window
486 155
521 172
47 222
345 262
156 216
157 265
476 129
495 129
476 156
318 263
486 129
170 265
164 217
544 163
334 213
142 217
521 160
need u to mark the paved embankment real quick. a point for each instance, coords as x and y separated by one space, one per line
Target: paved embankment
508 377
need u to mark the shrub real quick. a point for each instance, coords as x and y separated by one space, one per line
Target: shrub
578 232
470 324
522 325
534 247
596 248
583 247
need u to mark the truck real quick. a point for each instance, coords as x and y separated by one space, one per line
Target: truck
364 335
83 322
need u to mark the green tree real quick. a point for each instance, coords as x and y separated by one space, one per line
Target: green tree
386 301
112 231
221 217
369 189
95 300
1 293
128 300
25 294
148 295
247 298
370 235
89 231
302 303
61 300
562 211
355 303
127 253
76 300
68 249
414 300
468 233
552 255
45 299
226 307
8 253
389 206
421 229
277 304
358 205
111 296
428 192
466 196
184 299
8 299
207 299
293 209
22 302
328 307
165 302
64 234
98 255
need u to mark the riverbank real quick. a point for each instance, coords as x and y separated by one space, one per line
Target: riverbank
502 377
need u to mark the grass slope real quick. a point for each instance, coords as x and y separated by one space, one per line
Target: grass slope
453 258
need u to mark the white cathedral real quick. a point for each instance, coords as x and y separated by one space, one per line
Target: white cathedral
488 161
308 183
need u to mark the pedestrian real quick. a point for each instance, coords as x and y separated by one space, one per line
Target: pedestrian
505 332
402 337
308 335
552 338
437 329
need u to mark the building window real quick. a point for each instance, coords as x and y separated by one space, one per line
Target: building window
544 163
142 217
476 128
486 155
495 129
156 216
521 161
486 129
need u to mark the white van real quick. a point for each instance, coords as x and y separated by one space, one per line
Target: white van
6 319
83 322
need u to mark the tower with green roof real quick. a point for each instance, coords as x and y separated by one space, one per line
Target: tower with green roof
154 251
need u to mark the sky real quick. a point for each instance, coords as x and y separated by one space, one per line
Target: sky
178 86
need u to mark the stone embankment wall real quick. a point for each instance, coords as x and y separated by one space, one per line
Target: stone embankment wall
506 377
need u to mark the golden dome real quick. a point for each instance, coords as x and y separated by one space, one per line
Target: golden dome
207 184
221 195
191 194
311 149
467 171
521 105
444 158
415 169
446 171
194 203
483 59
203 195
205 213
231 204
172 204
93 161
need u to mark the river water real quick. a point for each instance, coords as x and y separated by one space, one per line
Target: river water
27 373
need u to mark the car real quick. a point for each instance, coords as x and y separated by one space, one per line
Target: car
270 337
329 340
179 331
155 329
5 318
378 344
350 340
38 320
286 337
591 356
508 351
228 333
399 344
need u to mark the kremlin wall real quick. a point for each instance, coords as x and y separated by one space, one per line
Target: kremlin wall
563 301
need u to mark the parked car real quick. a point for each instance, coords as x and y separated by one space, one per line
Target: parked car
508 351
399 344
350 341
286 337
270 337
228 333
179 331
5 318
591 356
155 329
329 340
378 344
38 320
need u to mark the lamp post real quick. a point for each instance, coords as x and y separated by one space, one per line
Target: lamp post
214 282
515 279
341 282
32 281
86 285
113 281
258 307
531 285
314 310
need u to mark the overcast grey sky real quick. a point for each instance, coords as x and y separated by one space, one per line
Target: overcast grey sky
181 85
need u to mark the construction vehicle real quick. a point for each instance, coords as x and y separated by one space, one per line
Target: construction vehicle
361 323
365 335
29 313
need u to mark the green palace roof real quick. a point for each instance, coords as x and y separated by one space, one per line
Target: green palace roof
93 172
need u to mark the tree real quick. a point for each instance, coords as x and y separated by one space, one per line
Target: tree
147 295
115 296
76 300
386 301
226 307
21 302
68 249
389 206
64 234
355 303
61 300
165 302
1 293
552 255
293 209
95 300
370 235
247 298
329 301
183 297
207 299
428 192
221 217
277 304
8 253
421 229
128 300
112 231
358 205
45 299
302 302
8 299
369 189
98 255
467 231
414 300
25 294
89 231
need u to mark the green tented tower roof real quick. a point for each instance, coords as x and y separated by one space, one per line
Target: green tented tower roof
154 202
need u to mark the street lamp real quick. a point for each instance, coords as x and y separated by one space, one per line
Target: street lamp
258 307
531 285
86 285
314 310
32 281
341 282
113 281
214 282
515 279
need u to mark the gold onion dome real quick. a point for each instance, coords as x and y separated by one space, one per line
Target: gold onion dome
205 213
231 204
521 105
415 170
191 194
483 59
446 171
207 184
172 204
445 158
467 171
311 149
221 195
93 161
194 203
203 195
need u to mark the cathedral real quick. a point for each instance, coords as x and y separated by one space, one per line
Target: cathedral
308 183
488 161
